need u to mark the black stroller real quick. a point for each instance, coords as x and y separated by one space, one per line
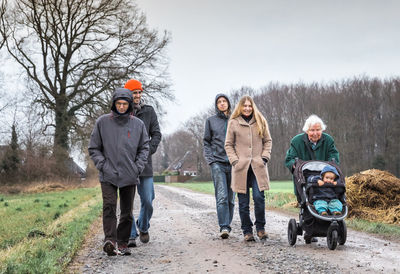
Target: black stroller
313 224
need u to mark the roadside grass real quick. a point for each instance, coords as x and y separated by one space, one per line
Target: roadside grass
40 233
203 187
374 227
280 196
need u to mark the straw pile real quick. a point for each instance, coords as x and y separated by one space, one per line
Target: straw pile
374 195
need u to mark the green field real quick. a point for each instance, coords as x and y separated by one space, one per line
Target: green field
40 233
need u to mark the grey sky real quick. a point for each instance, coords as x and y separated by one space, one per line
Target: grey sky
220 45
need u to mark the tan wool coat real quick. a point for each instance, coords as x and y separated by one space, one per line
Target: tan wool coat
245 147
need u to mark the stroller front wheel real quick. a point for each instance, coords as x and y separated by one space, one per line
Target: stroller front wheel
292 232
332 238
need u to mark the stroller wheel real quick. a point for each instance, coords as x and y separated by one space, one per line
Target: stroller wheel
332 238
292 231
342 233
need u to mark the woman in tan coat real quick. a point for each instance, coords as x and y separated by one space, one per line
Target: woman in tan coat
248 146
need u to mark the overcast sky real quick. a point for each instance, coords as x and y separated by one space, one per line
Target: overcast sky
220 45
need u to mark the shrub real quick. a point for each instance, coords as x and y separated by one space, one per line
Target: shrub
56 215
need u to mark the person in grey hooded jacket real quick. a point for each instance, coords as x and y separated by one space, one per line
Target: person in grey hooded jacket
119 147
215 155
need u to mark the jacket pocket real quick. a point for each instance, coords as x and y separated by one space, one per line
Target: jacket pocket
108 172
132 169
135 168
240 165
260 162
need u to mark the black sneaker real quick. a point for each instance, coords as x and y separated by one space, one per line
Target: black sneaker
123 250
144 237
109 248
132 242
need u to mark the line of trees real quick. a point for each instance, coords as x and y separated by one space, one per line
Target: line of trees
362 114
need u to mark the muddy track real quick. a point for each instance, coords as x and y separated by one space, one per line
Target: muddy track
184 238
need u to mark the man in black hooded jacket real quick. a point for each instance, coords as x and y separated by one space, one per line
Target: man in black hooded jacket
119 147
215 155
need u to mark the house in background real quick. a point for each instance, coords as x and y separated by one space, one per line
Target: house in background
185 165
185 168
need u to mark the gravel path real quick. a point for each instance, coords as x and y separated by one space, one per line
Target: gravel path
184 238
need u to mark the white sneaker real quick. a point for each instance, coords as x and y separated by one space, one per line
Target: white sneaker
224 233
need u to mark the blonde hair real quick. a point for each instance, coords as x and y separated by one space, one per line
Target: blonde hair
260 120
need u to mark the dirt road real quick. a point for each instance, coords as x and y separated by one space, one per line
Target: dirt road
184 239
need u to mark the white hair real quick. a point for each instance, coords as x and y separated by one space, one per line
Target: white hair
312 120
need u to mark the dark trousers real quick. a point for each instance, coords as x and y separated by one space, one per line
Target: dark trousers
259 205
112 232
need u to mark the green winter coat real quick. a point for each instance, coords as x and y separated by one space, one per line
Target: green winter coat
325 150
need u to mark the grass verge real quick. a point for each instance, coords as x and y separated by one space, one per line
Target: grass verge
47 231
388 230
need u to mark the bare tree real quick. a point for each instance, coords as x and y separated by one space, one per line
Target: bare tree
177 144
195 127
3 6
75 52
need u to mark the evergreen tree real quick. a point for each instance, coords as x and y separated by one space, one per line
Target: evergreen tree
11 160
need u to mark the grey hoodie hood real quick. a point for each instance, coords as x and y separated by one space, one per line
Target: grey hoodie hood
122 94
227 99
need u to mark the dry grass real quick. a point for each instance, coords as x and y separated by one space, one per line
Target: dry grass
374 195
48 186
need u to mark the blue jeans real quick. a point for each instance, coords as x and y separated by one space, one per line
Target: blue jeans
224 196
332 206
146 193
259 205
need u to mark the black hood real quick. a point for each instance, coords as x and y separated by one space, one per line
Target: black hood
122 94
227 99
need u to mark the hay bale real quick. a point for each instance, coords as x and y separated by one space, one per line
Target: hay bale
291 205
374 195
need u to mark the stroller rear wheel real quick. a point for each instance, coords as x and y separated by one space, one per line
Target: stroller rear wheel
292 231
342 233
332 238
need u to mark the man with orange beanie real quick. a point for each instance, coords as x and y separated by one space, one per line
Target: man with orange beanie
145 189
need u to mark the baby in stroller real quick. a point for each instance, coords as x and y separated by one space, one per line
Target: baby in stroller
324 196
321 189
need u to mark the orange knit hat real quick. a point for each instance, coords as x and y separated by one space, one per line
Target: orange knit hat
133 84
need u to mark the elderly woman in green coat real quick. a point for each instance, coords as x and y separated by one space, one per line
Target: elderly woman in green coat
313 144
